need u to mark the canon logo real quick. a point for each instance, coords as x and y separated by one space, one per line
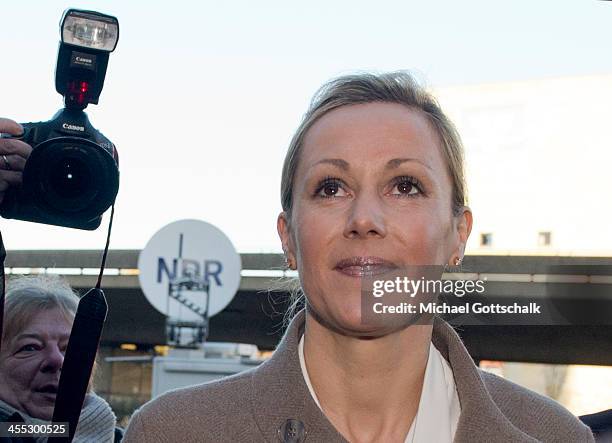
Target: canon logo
73 127
83 60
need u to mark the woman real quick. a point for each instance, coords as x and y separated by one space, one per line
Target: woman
373 182
38 313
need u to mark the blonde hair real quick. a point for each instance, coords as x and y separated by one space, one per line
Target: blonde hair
392 87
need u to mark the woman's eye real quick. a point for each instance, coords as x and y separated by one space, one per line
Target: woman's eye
405 186
28 348
330 189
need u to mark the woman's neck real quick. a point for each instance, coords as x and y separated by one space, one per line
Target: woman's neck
368 388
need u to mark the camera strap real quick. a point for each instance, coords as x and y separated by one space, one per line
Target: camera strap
81 351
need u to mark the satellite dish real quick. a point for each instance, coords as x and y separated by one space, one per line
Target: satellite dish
184 251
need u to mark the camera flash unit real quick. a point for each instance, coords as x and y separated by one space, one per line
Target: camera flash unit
87 39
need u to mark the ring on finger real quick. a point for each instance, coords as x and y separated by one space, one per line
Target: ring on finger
6 163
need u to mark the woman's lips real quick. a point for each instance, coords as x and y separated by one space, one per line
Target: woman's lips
48 391
364 266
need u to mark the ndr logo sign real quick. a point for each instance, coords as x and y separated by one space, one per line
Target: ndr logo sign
195 250
184 267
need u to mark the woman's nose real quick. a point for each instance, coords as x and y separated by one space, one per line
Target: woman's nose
366 218
54 359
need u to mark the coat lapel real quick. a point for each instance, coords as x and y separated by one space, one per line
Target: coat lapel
480 420
285 411
279 394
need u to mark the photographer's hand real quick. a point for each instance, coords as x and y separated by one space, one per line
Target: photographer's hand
13 155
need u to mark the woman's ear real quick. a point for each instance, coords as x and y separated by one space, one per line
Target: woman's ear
284 232
463 227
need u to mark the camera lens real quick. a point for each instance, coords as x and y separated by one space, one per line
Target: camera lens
70 177
67 183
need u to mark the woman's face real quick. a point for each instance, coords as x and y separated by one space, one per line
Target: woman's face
372 193
30 369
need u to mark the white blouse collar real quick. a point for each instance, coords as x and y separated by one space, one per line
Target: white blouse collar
439 409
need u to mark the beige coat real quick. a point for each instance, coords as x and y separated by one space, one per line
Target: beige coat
271 403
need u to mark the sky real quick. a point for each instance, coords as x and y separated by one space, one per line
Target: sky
202 98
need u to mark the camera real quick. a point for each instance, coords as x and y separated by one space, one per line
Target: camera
71 177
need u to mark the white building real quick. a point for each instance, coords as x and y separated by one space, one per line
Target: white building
539 164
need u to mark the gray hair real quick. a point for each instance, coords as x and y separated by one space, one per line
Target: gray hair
26 296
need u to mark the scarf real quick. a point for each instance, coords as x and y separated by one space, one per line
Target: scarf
96 423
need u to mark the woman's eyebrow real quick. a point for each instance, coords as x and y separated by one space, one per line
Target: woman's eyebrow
22 336
394 163
41 337
391 164
338 162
